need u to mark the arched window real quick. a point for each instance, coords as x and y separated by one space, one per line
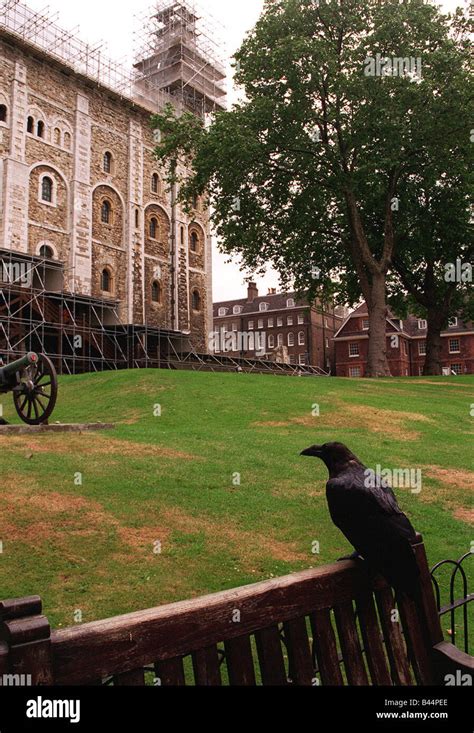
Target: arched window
195 201
156 292
237 310
107 162
57 136
30 125
194 242
155 183
263 307
153 227
3 113
290 303
40 128
280 339
301 338
47 190
46 252
271 341
182 235
67 140
106 212
291 339
137 219
196 300
106 281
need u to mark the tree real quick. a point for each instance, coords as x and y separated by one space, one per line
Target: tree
432 268
305 172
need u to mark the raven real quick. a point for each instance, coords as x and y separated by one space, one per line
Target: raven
369 517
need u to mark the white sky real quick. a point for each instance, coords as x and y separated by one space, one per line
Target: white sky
113 22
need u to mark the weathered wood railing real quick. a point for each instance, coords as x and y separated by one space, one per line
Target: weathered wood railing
240 636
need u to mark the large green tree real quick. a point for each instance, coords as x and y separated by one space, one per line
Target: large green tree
432 265
305 173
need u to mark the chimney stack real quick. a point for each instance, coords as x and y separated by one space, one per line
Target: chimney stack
272 291
252 292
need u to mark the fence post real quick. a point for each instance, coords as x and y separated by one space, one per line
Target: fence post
27 635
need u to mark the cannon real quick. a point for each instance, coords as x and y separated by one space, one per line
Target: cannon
34 384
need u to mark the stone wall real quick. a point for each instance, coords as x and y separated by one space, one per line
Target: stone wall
73 124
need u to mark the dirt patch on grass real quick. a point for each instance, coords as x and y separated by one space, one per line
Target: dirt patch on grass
464 515
290 488
79 445
248 546
451 478
29 514
144 539
388 422
133 416
443 384
455 490
34 516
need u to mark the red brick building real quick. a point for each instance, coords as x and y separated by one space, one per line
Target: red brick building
278 320
406 345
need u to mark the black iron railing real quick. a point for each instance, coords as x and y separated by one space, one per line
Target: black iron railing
455 604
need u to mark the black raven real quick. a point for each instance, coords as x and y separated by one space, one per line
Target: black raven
367 513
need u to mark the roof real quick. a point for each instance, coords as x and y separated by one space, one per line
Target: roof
276 302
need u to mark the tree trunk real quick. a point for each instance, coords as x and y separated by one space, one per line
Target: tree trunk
377 365
436 321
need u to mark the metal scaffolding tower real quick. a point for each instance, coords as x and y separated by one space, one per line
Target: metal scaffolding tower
179 53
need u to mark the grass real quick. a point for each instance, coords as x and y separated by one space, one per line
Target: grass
152 512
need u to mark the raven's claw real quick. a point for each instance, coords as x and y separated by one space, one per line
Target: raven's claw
355 556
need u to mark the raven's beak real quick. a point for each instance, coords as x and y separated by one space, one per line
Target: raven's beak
314 450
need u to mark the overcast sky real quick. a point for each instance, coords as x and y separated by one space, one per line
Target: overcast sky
113 22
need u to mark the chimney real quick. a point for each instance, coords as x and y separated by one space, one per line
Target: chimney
252 292
271 291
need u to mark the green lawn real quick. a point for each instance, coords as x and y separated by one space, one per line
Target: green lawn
158 516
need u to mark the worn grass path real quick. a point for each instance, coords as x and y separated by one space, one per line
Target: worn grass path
150 513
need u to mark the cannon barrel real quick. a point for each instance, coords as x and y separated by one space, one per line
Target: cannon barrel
10 369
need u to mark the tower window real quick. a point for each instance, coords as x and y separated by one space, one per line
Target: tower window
46 252
30 124
57 136
106 281
155 183
3 113
106 212
153 228
40 129
47 190
107 163
67 140
156 292
137 219
196 301
194 242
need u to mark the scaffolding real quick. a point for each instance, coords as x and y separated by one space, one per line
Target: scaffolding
41 30
85 334
79 333
179 52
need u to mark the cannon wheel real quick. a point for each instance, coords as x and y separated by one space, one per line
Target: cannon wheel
35 398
